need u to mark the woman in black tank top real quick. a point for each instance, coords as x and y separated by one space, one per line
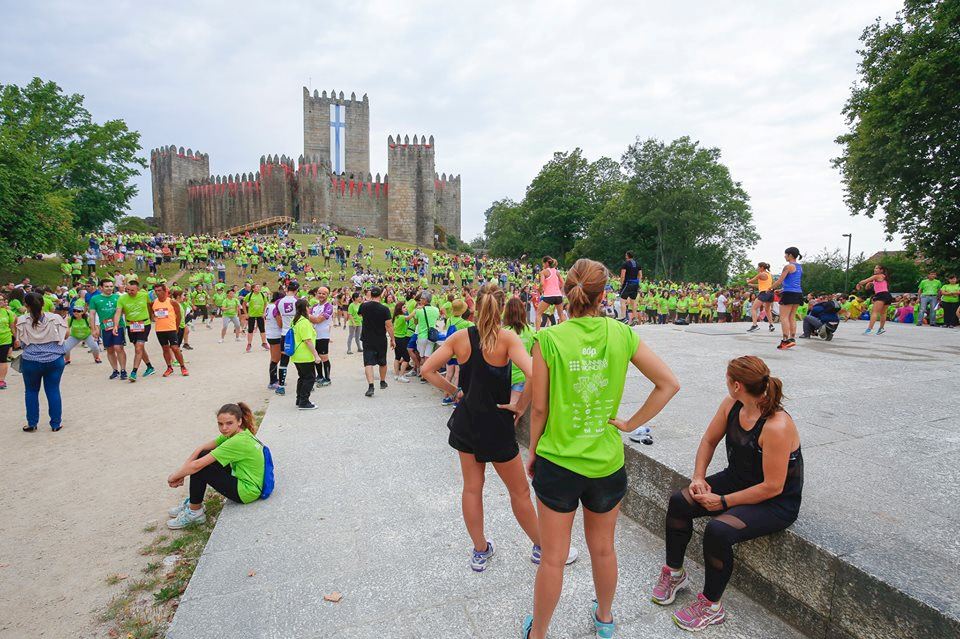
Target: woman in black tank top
757 494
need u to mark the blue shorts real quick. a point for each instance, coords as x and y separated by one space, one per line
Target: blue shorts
109 339
518 387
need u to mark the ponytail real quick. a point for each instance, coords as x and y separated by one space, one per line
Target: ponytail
489 311
241 411
34 304
755 376
584 287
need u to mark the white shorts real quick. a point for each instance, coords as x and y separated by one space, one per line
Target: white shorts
425 347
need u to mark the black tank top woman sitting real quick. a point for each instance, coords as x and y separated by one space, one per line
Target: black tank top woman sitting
757 494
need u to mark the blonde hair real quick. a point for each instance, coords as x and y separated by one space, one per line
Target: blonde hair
489 311
584 286
243 414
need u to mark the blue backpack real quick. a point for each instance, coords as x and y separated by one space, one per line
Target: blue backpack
268 482
289 343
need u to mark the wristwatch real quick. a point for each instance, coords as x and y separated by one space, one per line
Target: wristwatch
723 502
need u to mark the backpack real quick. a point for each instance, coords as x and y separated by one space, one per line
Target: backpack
289 343
268 481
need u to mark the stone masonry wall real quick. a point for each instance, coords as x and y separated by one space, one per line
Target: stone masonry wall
412 204
448 203
171 170
316 128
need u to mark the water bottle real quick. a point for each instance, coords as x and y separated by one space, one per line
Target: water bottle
642 435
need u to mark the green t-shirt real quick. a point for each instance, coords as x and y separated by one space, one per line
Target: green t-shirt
303 330
950 292
929 287
105 306
79 328
400 326
8 319
230 306
256 304
432 314
354 310
245 456
49 303
516 374
587 358
134 307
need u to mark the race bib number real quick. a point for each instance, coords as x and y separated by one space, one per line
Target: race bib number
108 324
136 327
162 313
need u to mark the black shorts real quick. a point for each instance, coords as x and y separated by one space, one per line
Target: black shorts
629 291
139 336
167 338
255 321
791 298
275 341
323 345
374 354
400 353
884 297
501 454
560 489
4 352
765 296
552 300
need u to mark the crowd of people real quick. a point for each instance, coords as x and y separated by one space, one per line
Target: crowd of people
495 337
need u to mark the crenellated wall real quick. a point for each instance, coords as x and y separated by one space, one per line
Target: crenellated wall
412 205
219 202
316 128
448 203
171 170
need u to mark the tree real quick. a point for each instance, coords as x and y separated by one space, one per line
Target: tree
133 224
679 211
88 164
901 155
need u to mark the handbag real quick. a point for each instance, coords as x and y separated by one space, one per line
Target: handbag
433 335
17 363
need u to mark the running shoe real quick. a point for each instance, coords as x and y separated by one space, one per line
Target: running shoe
572 555
446 401
187 517
123 375
881 331
265 347
666 589
176 510
97 361
752 328
272 386
781 346
133 376
527 627
349 352
403 379
867 331
772 329
150 371
184 372
605 629
804 337
325 382
281 390
790 343
187 347
3 385
479 560
168 372
383 385
359 350
642 435
829 336
219 341
249 348
307 406
822 332
114 374
369 392
698 615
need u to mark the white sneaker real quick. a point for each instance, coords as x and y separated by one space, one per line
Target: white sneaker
176 510
187 517
403 380
572 555
219 341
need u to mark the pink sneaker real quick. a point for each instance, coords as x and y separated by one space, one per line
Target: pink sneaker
699 615
666 589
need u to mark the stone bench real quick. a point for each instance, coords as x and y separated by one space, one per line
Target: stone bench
811 588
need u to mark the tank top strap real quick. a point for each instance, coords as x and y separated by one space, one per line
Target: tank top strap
474 336
733 417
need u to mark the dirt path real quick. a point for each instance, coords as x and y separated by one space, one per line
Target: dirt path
75 503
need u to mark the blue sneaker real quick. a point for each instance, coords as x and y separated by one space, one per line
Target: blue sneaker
881 331
150 371
446 401
123 375
527 627
115 374
479 561
604 630
867 332
272 386
281 390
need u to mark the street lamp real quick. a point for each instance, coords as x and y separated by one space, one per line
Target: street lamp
846 273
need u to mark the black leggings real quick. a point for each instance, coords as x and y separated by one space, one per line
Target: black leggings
255 322
727 528
306 378
217 477
949 313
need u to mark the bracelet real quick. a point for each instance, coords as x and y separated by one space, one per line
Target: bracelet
723 502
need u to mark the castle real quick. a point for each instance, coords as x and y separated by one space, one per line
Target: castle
329 184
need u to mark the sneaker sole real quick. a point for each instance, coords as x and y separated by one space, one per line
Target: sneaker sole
679 625
680 586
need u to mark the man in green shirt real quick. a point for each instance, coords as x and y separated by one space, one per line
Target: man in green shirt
102 308
135 309
425 316
928 291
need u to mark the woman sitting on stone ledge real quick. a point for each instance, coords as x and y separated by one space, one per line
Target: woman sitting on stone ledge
757 494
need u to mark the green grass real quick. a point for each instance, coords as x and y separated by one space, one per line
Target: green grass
47 272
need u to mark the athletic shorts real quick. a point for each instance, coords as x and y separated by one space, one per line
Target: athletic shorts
110 340
884 297
180 333
556 300
791 298
503 454
139 336
629 291
167 338
231 319
275 341
560 489
374 356
765 296
724 315
4 352
255 321
400 352
323 345
425 347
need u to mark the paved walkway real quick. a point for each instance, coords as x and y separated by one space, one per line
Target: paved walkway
367 504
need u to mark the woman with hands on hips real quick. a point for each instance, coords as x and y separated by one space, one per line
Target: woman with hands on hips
757 494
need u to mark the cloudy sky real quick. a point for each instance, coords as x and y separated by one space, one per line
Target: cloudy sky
501 86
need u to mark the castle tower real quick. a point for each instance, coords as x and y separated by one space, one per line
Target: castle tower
171 169
337 129
412 202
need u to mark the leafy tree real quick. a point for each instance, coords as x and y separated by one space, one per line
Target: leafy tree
504 229
901 155
133 224
88 164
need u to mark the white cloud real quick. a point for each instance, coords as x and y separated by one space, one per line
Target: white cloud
500 84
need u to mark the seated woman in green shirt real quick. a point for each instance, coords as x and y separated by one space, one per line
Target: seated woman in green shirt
576 450
232 464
